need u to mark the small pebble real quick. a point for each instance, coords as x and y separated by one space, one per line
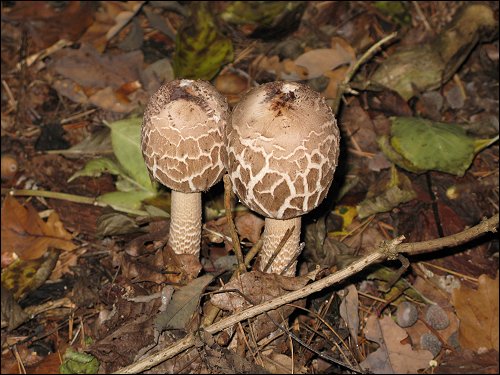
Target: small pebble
430 342
407 314
436 317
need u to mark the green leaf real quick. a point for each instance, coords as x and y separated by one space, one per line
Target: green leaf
130 201
420 145
95 167
96 144
78 363
126 141
200 49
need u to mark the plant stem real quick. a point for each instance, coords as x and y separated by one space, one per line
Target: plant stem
68 197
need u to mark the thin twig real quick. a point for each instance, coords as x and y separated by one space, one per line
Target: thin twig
253 251
68 197
230 223
343 87
282 243
384 251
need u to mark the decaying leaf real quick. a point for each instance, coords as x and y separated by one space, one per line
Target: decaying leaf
24 276
258 287
349 311
392 357
478 314
27 235
115 15
419 145
312 64
200 48
183 304
12 314
428 66
265 19
249 226
386 194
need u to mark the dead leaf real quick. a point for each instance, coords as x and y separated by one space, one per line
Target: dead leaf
249 226
109 21
468 362
24 276
258 287
319 61
26 234
392 357
87 67
47 23
478 314
349 311
183 304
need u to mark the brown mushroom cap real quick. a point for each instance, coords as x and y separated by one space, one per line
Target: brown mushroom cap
282 148
182 135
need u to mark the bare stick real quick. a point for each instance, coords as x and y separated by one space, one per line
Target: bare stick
230 223
282 243
386 250
344 85
488 225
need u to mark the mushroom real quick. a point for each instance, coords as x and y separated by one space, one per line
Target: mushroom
282 147
182 143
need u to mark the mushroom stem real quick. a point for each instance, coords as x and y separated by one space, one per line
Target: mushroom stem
274 231
185 223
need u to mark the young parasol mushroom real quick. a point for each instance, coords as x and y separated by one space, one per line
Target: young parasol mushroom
182 143
282 147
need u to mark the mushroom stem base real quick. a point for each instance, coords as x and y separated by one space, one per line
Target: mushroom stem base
185 223
274 231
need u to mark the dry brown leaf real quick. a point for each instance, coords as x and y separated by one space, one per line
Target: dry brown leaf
27 235
392 357
349 311
478 314
322 60
258 287
249 226
47 24
109 21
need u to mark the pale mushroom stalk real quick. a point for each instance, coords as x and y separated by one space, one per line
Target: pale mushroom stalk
182 143
274 231
282 145
185 222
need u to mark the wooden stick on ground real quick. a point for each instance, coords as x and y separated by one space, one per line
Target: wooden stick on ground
386 250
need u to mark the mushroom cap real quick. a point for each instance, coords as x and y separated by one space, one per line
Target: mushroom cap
282 145
182 135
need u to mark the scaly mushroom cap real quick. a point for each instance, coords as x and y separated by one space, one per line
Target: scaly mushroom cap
182 135
282 148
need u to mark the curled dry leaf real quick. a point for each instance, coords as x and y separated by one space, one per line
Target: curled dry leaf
478 314
27 235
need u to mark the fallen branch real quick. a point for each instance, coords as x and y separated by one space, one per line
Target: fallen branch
386 250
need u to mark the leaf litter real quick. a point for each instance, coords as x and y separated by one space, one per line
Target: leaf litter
100 68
